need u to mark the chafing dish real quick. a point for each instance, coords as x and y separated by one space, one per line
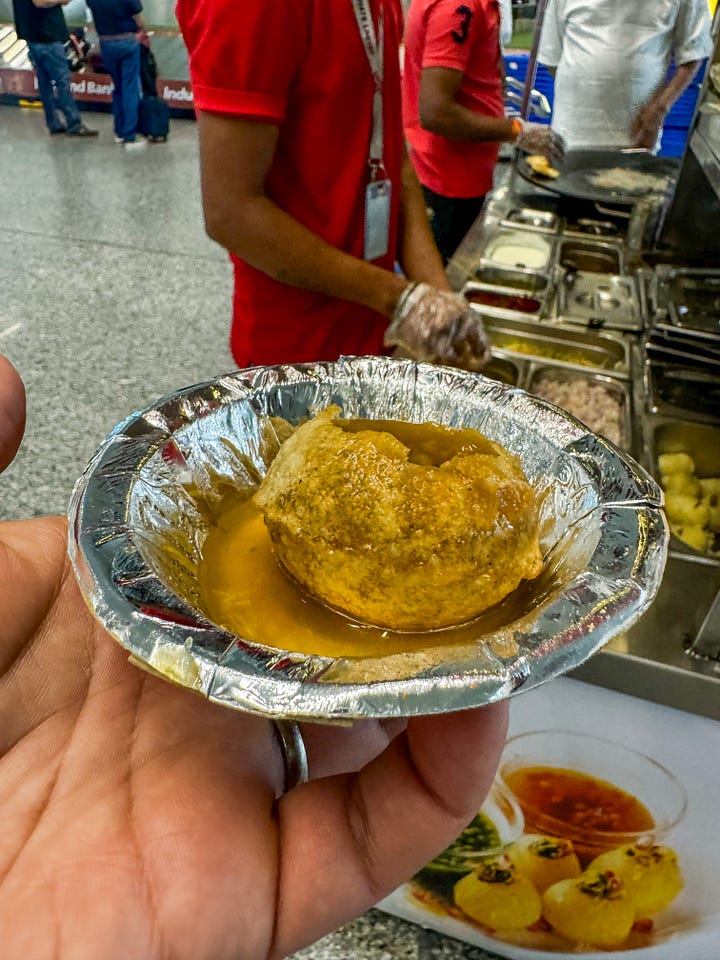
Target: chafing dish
590 257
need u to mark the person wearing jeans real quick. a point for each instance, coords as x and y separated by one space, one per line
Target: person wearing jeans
118 24
121 57
42 25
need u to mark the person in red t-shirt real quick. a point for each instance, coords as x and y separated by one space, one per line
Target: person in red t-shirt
454 113
285 97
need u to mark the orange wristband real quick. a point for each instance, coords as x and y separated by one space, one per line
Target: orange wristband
517 128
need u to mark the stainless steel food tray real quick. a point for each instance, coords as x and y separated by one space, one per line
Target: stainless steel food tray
590 256
530 282
536 303
599 301
511 369
561 344
542 220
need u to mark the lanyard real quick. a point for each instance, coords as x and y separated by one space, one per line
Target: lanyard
374 45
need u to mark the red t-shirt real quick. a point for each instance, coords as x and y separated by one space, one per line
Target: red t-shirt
466 37
301 65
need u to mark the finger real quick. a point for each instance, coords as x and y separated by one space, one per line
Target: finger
12 411
348 841
334 749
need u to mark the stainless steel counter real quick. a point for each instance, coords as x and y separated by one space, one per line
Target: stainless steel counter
585 317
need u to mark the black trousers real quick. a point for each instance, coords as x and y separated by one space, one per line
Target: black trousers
450 219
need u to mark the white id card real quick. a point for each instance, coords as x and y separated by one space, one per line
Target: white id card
377 219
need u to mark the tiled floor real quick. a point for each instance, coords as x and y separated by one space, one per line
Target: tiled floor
111 295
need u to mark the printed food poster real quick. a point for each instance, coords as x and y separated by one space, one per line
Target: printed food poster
601 835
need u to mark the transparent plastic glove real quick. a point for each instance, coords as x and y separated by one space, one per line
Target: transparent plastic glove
438 327
541 138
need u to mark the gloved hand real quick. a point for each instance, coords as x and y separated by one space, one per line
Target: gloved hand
438 327
541 138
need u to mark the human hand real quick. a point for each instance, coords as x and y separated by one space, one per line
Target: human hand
140 820
438 327
541 138
645 127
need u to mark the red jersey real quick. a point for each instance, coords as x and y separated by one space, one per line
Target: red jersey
466 37
302 65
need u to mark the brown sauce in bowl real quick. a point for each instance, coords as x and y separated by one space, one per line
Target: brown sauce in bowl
594 814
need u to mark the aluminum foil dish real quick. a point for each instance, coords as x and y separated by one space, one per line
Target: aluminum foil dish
145 505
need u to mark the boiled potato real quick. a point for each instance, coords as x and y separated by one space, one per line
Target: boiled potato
684 483
694 536
497 896
651 875
710 486
712 502
592 908
686 510
676 463
544 860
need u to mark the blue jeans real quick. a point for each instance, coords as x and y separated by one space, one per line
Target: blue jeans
122 61
53 76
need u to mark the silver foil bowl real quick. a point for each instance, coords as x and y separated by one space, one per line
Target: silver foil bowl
141 511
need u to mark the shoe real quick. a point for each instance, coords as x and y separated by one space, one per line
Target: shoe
82 131
138 142
58 132
118 139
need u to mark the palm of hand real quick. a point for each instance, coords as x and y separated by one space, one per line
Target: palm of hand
126 803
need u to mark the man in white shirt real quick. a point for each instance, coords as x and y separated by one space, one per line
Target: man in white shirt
610 60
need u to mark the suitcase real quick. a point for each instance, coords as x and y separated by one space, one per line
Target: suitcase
154 118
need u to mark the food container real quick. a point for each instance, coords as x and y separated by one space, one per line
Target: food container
581 810
502 370
599 300
588 227
519 248
502 298
528 281
146 503
688 301
561 344
692 487
542 220
600 402
590 257
691 391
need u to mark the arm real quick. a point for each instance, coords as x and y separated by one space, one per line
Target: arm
441 113
235 158
648 120
418 255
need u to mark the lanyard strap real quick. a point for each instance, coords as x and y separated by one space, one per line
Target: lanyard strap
374 48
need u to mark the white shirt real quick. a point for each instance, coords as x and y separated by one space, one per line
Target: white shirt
611 55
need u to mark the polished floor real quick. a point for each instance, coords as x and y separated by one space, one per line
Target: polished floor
111 296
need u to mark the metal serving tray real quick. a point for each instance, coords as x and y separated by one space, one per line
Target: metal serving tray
518 248
599 301
560 344
588 227
591 256
541 220
526 281
504 300
663 434
686 302
528 375
689 392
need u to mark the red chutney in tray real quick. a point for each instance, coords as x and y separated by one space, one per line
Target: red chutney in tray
593 813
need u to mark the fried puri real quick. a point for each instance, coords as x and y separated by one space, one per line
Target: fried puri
406 526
